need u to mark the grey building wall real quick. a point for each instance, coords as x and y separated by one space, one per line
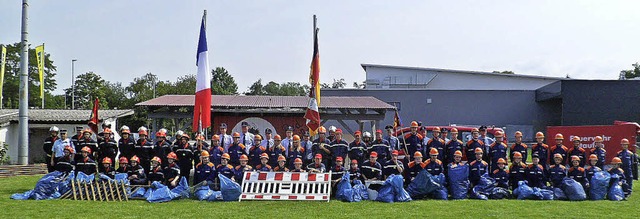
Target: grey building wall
586 102
513 108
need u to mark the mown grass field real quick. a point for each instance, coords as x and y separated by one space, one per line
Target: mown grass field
334 209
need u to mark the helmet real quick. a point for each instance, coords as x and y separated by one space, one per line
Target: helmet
281 158
142 128
125 131
296 138
258 136
163 130
457 153
517 155
107 131
135 158
539 135
357 133
339 159
244 157
68 148
123 160
338 131
204 154
374 154
87 131
354 161
593 157
318 156
436 129
156 159
575 158
106 160
86 149
433 151
200 137
332 128
172 155
54 129
474 130
378 131
297 160
264 155
215 138
624 141
502 161
185 136
322 129
236 134
161 134
559 136
394 152
417 154
179 133
454 130
518 134
557 156
124 127
226 156
598 139
478 150
414 124
616 160
277 137
499 134
575 138
366 134
142 132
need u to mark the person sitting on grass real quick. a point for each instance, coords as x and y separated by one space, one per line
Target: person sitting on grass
123 165
592 168
297 166
354 172
172 171
557 172
107 169
86 165
66 163
137 176
242 168
225 168
263 166
156 174
317 166
501 175
205 171
577 173
282 164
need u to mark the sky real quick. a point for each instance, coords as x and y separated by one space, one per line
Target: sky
273 40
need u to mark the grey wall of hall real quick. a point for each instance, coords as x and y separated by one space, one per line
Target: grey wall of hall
587 102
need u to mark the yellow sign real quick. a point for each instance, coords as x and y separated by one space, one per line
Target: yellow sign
40 58
3 60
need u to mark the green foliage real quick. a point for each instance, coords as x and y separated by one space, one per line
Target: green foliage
89 86
633 73
222 83
504 72
338 84
12 79
275 89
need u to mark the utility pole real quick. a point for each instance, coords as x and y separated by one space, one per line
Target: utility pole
23 115
73 84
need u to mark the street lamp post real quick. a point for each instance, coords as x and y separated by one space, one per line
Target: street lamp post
73 84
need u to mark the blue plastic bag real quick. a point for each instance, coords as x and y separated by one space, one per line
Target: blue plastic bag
215 196
46 188
573 190
523 191
440 194
82 177
599 185
546 194
360 191
397 182
459 181
615 190
422 185
231 190
499 193
386 193
203 192
182 190
65 185
159 193
558 194
344 191
139 193
484 188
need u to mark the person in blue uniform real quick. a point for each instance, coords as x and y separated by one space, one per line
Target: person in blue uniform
517 171
477 168
137 176
215 151
162 148
576 150
501 174
433 164
126 144
123 166
107 168
577 172
86 164
236 149
380 146
48 148
457 161
282 164
627 159
185 154
276 151
393 166
264 163
413 141
371 169
599 151
518 146
473 144
321 146
254 154
143 149
557 171
559 148
297 166
295 151
156 174
172 171
66 163
354 172
357 148
238 171
437 143
414 167
205 170
592 168
225 168
542 150
536 174
497 150
339 147
453 145
317 166
394 142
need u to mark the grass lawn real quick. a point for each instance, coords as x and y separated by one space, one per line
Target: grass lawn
298 209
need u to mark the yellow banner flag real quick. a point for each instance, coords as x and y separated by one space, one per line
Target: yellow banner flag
3 60
40 58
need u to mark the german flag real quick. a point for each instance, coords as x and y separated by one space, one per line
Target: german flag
313 114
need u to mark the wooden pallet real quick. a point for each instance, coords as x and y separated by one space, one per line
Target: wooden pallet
22 170
97 190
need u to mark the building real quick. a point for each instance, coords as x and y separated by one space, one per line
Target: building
512 101
40 120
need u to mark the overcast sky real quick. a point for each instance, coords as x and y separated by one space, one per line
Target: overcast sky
272 40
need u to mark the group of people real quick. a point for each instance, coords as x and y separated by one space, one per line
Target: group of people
365 158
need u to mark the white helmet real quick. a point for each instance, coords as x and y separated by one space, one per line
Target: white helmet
124 127
366 135
163 130
179 133
54 129
142 128
332 128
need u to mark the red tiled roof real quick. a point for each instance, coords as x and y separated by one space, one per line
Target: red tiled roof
233 101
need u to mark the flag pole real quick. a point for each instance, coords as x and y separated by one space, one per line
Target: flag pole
42 85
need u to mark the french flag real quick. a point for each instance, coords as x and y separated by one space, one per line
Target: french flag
202 106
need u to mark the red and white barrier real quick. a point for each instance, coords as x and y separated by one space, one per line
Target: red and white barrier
286 186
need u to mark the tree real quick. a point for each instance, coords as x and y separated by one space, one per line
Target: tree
338 84
362 85
633 73
222 83
11 88
256 89
89 86
185 85
504 72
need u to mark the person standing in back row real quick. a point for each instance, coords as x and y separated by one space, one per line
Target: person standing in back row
542 150
518 146
246 138
599 152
